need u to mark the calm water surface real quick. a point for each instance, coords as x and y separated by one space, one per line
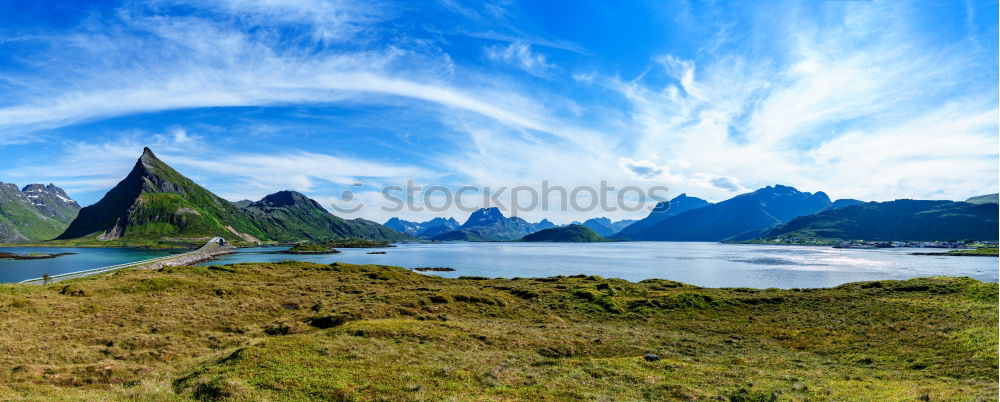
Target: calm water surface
703 264
85 258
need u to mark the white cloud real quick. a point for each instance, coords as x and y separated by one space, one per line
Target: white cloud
519 54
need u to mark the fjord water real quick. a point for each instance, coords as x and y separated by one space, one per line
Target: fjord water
85 258
703 264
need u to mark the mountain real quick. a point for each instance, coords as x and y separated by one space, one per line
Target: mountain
984 199
745 216
155 202
567 234
242 203
36 212
680 204
426 229
291 216
605 227
912 220
544 224
842 203
489 224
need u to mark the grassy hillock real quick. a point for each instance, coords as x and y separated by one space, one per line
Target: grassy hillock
292 330
565 234
310 248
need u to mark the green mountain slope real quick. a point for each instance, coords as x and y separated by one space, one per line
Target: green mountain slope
914 220
565 234
291 216
37 212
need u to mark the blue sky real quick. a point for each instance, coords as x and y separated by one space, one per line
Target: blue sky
875 100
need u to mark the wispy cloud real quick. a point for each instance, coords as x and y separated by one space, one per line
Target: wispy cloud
519 54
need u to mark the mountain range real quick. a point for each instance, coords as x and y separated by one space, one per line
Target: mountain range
155 202
489 224
605 226
423 230
35 212
743 217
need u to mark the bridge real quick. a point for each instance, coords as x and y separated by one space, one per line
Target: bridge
215 246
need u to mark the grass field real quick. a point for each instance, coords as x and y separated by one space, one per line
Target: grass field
977 251
306 331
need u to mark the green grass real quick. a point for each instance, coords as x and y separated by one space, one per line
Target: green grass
977 251
291 330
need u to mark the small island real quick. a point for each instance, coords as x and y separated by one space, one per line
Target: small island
565 234
434 269
358 243
310 248
32 256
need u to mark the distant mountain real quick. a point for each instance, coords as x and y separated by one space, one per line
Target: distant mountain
242 203
544 224
426 229
913 220
567 234
36 212
680 204
745 216
291 216
489 224
155 202
842 203
984 199
605 227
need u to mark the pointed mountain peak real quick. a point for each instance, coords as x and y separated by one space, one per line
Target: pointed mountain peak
148 153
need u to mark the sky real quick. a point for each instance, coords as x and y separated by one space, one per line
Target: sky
872 100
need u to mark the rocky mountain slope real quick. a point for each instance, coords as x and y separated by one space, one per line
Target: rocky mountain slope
35 212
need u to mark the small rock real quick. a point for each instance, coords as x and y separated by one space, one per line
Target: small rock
650 357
